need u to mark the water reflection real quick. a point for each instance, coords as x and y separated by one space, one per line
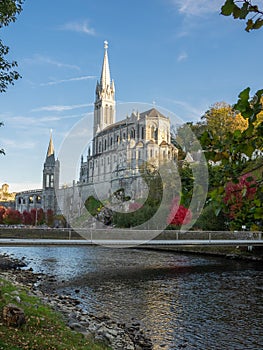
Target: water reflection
188 302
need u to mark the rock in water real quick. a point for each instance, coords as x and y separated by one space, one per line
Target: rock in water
13 315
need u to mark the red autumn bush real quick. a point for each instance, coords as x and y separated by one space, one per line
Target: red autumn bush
12 217
239 195
2 211
179 215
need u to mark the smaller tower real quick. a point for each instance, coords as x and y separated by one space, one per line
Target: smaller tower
104 106
50 178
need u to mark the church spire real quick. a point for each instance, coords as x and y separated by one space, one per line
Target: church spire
104 111
50 150
105 72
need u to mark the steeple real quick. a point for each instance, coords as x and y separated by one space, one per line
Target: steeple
105 72
50 150
104 106
50 178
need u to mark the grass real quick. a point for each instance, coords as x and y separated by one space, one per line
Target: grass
44 328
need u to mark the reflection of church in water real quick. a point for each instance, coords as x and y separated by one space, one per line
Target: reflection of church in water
118 150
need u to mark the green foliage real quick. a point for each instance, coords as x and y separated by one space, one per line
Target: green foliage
244 9
234 152
1 149
93 205
186 137
151 205
209 221
9 9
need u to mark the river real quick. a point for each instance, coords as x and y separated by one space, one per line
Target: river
183 301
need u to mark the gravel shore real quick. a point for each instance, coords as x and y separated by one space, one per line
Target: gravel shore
117 335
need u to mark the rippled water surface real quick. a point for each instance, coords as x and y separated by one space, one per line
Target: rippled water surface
183 301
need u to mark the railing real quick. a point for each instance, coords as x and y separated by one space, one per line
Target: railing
128 237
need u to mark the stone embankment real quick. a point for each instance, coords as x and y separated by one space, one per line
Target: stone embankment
117 335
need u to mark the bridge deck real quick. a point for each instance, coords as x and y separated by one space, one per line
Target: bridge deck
129 243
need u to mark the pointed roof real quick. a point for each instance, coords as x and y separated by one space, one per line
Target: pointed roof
50 150
105 72
153 112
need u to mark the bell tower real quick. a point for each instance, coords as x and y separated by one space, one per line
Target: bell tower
50 178
104 106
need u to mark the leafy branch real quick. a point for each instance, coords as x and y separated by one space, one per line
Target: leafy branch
244 9
9 9
1 149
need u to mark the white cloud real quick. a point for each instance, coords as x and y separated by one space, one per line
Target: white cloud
188 108
39 59
17 144
55 82
60 108
182 57
198 7
81 27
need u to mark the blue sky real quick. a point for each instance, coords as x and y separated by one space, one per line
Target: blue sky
180 54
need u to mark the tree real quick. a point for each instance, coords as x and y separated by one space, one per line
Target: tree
239 200
221 119
1 149
27 218
12 217
9 9
2 212
235 152
244 9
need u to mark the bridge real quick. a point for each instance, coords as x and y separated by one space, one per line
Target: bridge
119 238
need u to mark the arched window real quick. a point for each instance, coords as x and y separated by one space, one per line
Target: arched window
152 132
124 136
105 144
132 133
142 132
100 146
107 114
156 134
111 141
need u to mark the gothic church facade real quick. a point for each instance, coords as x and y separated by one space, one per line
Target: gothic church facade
113 162
119 148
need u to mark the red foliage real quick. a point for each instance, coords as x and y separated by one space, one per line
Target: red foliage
50 217
179 215
38 216
2 212
12 217
237 193
27 218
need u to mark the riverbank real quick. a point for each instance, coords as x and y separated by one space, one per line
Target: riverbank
233 253
97 331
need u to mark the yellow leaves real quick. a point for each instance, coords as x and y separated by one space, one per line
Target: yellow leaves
222 119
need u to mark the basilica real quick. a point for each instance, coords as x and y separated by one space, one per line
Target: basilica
114 158
119 148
